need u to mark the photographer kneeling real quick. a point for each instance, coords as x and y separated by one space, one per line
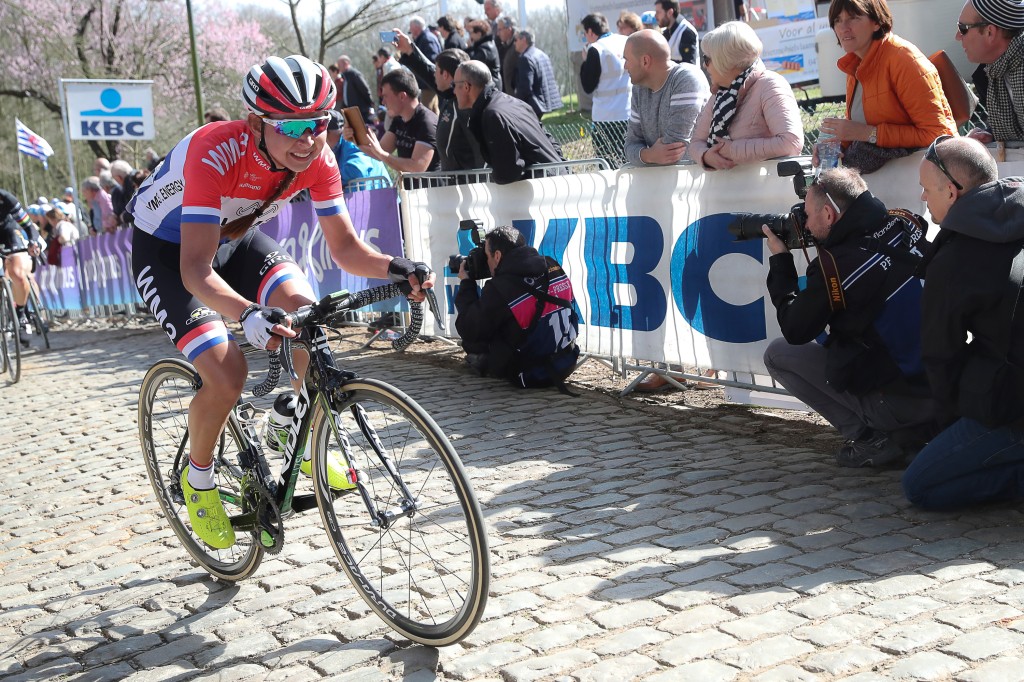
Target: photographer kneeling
522 327
865 376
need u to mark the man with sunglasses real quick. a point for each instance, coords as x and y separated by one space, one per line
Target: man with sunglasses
851 337
196 256
972 330
991 33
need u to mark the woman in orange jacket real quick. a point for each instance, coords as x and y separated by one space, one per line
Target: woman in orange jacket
894 98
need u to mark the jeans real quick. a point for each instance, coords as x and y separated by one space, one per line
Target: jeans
968 463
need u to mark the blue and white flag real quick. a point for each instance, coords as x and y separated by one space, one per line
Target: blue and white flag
31 144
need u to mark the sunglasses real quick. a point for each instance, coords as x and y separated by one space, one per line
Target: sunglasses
964 28
297 127
816 183
932 154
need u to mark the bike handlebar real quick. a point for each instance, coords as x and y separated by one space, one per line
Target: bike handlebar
325 313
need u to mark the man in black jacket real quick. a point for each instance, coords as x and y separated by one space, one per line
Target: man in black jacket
510 136
456 146
972 291
354 90
866 377
493 324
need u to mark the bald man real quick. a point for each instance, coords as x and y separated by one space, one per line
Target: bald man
666 100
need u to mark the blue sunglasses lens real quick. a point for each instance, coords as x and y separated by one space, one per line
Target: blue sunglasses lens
297 127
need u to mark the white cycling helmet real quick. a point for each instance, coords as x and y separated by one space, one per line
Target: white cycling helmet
292 85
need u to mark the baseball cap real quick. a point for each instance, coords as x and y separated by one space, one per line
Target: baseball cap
1008 14
69 190
648 18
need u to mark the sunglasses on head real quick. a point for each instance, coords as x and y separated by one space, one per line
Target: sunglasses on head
964 28
297 127
932 155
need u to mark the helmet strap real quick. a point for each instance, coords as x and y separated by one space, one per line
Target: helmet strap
262 146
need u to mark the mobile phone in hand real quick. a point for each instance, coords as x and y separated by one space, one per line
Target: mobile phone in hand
388 37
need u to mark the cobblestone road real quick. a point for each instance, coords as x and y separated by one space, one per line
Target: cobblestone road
628 543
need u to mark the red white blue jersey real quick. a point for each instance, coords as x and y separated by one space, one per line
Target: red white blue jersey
217 174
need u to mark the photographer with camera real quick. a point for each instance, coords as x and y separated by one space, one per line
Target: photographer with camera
522 326
865 374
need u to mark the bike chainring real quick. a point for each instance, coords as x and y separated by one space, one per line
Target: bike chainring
270 531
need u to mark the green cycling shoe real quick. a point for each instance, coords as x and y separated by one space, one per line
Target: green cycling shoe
207 516
337 474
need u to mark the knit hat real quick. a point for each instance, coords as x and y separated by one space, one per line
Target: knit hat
1008 14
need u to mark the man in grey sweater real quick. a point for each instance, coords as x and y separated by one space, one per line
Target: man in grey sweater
666 100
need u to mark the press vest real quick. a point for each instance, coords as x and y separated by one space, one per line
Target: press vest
611 97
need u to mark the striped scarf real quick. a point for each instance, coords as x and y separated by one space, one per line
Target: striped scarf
725 107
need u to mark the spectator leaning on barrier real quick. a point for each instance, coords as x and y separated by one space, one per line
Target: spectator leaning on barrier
124 188
680 33
752 115
972 290
496 324
413 131
992 35
506 35
535 77
666 100
852 337
457 148
510 136
603 74
894 98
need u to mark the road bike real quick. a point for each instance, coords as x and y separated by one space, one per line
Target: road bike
410 535
38 316
10 329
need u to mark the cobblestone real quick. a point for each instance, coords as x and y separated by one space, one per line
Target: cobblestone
733 551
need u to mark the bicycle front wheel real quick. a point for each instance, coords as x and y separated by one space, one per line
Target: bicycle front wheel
39 315
11 332
164 399
419 557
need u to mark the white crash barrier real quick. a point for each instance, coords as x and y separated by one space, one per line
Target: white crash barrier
656 274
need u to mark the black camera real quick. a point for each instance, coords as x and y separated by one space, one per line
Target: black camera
476 261
790 227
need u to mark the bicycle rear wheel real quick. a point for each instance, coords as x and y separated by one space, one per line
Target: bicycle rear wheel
426 571
39 316
164 399
11 332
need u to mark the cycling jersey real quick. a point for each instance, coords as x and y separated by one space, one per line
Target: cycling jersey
15 225
217 174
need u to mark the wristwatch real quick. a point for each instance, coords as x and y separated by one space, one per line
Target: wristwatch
873 138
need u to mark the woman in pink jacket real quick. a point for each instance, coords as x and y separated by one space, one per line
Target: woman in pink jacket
752 115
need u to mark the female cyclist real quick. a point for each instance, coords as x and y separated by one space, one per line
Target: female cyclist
197 257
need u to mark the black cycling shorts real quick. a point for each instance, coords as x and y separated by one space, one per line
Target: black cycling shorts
254 266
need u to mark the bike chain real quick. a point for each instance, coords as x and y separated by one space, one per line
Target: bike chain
267 513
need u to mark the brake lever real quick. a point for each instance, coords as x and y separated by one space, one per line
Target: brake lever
286 357
435 310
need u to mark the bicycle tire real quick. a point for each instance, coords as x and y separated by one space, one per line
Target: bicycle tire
11 333
427 575
164 397
40 316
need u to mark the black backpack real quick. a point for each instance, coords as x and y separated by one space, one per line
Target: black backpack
547 353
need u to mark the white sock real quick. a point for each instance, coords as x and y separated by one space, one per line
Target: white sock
200 478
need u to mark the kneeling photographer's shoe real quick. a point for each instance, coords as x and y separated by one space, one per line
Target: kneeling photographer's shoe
875 449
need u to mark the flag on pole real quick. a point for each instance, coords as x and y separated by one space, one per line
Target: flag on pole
31 144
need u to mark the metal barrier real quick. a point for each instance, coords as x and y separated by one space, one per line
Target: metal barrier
589 140
371 182
414 181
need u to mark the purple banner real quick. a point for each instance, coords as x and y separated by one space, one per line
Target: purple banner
376 220
59 286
